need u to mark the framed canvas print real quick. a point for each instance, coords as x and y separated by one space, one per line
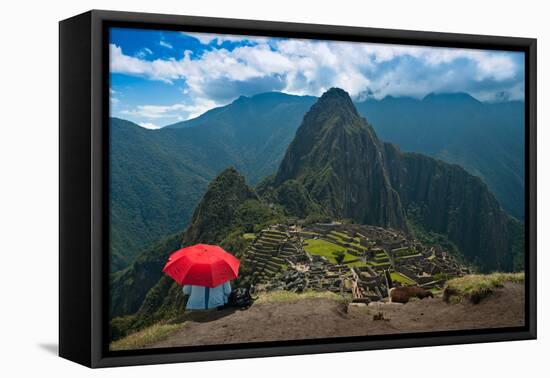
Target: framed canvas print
234 188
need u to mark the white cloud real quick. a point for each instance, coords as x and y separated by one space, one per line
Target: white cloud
308 67
174 111
149 125
497 67
126 64
514 93
143 53
165 44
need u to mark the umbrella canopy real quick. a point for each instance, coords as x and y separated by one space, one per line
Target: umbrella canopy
202 265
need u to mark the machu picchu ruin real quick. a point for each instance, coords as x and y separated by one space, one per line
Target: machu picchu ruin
327 228
359 261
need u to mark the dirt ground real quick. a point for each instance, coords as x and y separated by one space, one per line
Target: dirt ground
325 318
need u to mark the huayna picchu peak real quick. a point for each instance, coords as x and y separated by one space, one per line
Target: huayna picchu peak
337 161
337 158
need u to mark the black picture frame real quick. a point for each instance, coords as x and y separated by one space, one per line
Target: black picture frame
83 179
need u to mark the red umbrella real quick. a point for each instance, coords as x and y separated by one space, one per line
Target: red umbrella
202 265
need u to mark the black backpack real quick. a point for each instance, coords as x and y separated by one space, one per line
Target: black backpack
240 298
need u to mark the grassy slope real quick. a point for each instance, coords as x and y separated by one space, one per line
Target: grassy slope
324 248
475 287
398 277
287 296
146 336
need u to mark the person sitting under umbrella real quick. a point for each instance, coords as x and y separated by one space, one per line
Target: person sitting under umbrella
204 298
204 271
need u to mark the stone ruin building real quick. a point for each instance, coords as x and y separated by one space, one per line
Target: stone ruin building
279 260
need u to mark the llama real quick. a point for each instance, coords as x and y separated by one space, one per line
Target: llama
403 294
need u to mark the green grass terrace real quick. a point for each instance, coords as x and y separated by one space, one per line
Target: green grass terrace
401 278
326 249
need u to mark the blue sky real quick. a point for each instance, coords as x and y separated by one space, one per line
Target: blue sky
159 78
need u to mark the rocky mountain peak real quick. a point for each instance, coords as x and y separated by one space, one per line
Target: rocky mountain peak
216 210
337 158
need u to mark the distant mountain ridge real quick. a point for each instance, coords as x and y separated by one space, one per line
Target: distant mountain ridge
339 166
262 105
487 139
158 176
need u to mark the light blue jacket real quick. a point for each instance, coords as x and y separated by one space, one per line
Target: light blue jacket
203 298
